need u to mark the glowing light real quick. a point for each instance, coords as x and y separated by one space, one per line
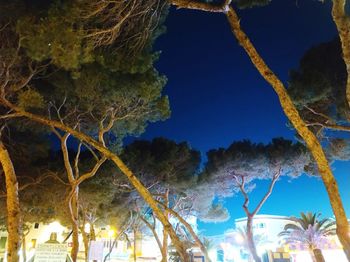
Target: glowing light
239 239
212 254
87 228
55 227
111 233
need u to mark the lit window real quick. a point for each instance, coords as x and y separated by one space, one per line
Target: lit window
3 242
33 243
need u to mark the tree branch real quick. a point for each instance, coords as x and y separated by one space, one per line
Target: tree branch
76 161
268 193
152 228
66 160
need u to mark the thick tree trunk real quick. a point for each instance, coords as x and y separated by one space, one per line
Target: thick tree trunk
250 240
317 254
310 139
141 189
342 21
14 223
75 225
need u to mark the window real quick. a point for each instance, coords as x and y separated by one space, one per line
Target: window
33 243
3 242
262 225
36 225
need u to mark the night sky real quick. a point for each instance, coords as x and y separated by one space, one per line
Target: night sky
217 96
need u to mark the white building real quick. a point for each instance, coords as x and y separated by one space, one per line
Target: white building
230 247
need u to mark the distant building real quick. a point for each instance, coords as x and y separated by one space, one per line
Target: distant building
230 246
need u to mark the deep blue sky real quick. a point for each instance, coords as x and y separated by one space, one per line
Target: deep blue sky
217 96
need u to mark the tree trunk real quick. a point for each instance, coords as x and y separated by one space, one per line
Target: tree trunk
92 232
342 21
141 189
152 228
165 233
14 223
86 242
24 248
135 245
317 254
250 239
310 139
190 230
75 225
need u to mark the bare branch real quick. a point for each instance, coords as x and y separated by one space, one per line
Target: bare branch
268 193
76 161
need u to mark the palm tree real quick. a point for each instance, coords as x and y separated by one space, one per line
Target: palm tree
310 232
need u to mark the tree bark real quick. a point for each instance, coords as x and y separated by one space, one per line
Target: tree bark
86 242
14 223
250 239
135 245
141 189
75 225
165 233
24 248
310 139
92 232
250 215
342 21
317 254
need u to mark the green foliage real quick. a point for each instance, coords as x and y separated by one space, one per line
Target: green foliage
101 200
216 213
319 83
250 161
339 149
317 88
30 98
86 82
172 164
56 37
